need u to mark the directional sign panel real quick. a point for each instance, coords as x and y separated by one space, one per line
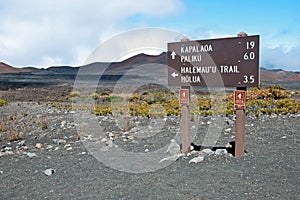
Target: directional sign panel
184 97
240 99
225 62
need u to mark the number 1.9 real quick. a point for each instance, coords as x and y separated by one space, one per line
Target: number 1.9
250 45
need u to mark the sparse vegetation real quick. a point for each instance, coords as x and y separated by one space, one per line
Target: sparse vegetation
8 128
3 102
95 96
273 99
104 93
74 94
114 98
13 135
44 124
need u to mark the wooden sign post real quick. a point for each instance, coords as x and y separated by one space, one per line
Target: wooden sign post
184 100
203 62
240 106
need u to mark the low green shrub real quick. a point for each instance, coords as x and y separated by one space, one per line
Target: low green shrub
3 102
74 94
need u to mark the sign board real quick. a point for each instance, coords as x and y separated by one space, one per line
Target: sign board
240 99
225 62
184 97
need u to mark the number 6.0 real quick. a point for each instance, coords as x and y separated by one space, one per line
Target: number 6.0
249 56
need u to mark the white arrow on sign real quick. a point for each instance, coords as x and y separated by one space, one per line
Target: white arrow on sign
173 54
240 95
174 74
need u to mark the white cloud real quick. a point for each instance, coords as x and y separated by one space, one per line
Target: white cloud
32 32
278 57
127 44
47 61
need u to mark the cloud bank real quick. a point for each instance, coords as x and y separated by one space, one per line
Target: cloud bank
64 32
279 58
56 32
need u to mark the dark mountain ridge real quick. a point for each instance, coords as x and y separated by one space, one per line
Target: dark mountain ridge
117 68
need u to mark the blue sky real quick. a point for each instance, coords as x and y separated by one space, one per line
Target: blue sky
64 32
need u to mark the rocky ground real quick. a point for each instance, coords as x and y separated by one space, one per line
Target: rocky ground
47 153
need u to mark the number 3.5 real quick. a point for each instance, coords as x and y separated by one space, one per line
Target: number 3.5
249 79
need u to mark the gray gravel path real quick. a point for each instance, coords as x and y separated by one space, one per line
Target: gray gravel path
270 169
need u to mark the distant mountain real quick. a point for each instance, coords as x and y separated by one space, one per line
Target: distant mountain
5 68
140 59
278 75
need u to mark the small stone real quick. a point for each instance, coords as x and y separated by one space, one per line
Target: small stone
111 134
221 151
24 147
273 115
146 150
9 152
49 172
21 143
130 137
31 155
63 123
70 148
49 147
283 137
1 172
209 122
3 154
104 140
230 122
38 145
207 151
7 148
87 137
172 157
59 141
227 129
134 130
173 148
125 133
197 159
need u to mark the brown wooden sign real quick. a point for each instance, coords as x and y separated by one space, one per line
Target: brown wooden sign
184 97
225 62
240 99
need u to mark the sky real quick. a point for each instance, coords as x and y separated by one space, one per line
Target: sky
64 32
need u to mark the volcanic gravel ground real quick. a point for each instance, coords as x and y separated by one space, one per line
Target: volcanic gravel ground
270 169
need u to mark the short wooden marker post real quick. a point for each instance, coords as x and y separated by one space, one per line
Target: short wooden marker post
240 106
184 100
